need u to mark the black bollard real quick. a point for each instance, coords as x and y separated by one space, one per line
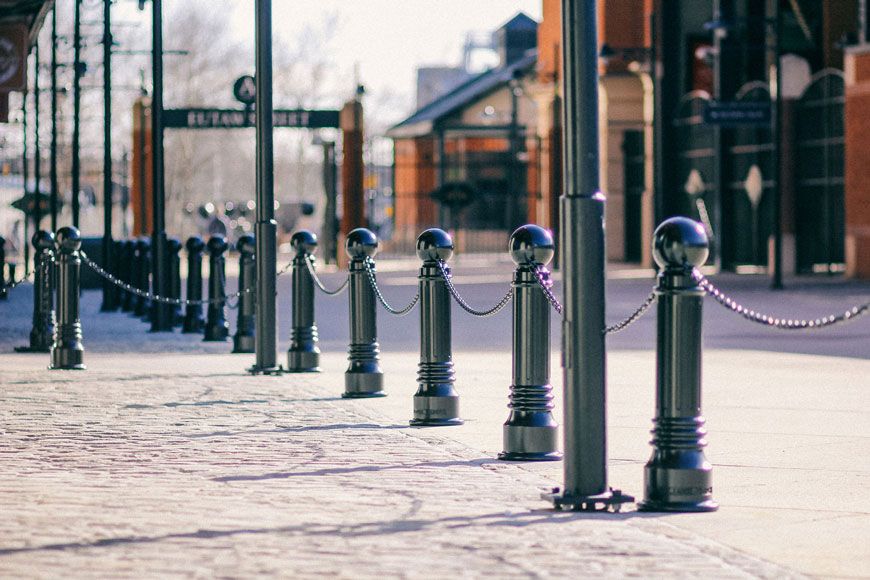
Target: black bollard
67 351
243 340
303 356
2 268
173 247
436 402
128 275
530 433
143 278
42 332
193 321
364 377
116 269
678 477
216 326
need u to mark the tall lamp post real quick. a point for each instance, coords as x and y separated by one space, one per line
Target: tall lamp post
162 321
110 296
583 261
77 94
266 229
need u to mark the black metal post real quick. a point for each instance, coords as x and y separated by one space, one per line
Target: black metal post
678 477
25 170
67 350
3 291
193 322
436 401
37 169
216 327
530 433
303 356
54 89
42 331
77 98
173 247
330 183
363 377
143 271
776 279
110 301
117 269
243 339
266 228
129 275
583 260
162 315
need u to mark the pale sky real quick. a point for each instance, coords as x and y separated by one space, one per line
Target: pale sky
389 39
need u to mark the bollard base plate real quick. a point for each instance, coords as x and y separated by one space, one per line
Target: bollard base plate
527 456
371 395
32 349
255 370
692 506
435 422
610 500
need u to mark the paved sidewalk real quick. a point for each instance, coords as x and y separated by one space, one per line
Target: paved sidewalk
183 466
166 460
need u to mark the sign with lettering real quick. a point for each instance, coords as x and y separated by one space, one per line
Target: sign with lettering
737 114
245 89
242 118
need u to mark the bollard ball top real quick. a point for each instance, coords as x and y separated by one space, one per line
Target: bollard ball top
43 240
434 245
194 244
174 245
304 242
531 243
361 244
217 245
679 243
246 244
68 239
143 243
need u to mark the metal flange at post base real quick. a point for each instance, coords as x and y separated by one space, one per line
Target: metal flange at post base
611 500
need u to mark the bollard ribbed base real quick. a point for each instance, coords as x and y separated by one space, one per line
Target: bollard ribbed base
436 405
303 361
67 359
243 343
531 442
217 332
678 477
364 384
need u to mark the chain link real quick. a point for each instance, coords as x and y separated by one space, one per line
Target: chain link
442 266
26 278
539 276
370 270
781 323
145 294
310 265
634 316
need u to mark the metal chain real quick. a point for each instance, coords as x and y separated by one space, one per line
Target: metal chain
782 323
145 294
634 316
442 266
370 270
539 276
26 278
339 290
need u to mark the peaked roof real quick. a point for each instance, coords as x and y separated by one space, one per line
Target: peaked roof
519 22
423 121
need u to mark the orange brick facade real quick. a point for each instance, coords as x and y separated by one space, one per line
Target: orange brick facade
857 125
